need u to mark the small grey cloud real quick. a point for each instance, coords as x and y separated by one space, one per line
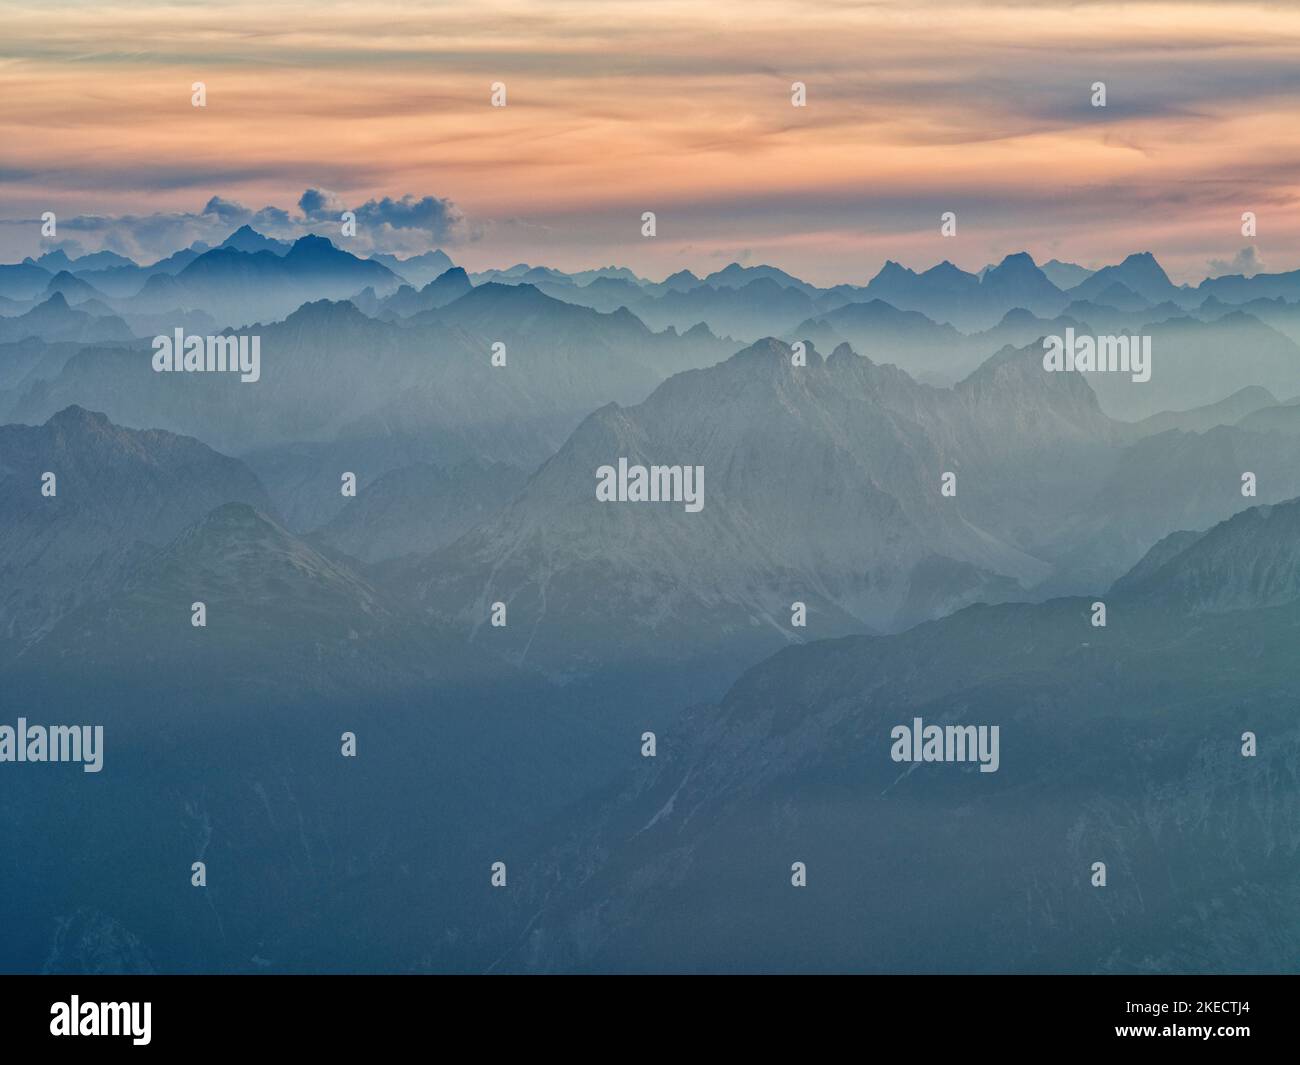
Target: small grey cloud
271 218
228 212
1246 262
438 217
317 204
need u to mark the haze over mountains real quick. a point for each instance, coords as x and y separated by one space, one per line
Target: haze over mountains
120 493
892 456
1118 744
869 543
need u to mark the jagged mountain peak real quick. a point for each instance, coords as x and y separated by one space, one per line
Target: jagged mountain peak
1145 260
1019 273
76 416
121 493
1139 272
945 268
239 552
451 274
1018 259
313 245
248 239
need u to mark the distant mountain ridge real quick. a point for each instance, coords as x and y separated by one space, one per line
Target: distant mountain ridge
758 425
1119 745
1250 561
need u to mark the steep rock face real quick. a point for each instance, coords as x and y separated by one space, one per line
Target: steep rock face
1169 547
119 495
1250 561
822 485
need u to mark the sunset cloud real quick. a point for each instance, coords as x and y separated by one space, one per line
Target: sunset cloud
684 109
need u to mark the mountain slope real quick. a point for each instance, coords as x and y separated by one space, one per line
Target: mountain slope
120 494
1120 745
967 301
1250 561
420 390
53 320
1229 411
240 287
822 485
418 508
1139 273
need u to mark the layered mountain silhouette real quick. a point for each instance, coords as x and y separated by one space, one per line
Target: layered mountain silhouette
240 287
1230 411
119 495
1248 562
886 460
54 320
1198 363
276 612
423 388
968 301
1139 275
223 744
417 270
654 581
408 301
867 543
248 239
1120 745
417 508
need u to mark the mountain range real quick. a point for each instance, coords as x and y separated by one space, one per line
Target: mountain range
397 535
1121 745
118 495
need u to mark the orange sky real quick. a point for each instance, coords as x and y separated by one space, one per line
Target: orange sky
679 108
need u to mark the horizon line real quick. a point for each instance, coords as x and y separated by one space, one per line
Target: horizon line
374 253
